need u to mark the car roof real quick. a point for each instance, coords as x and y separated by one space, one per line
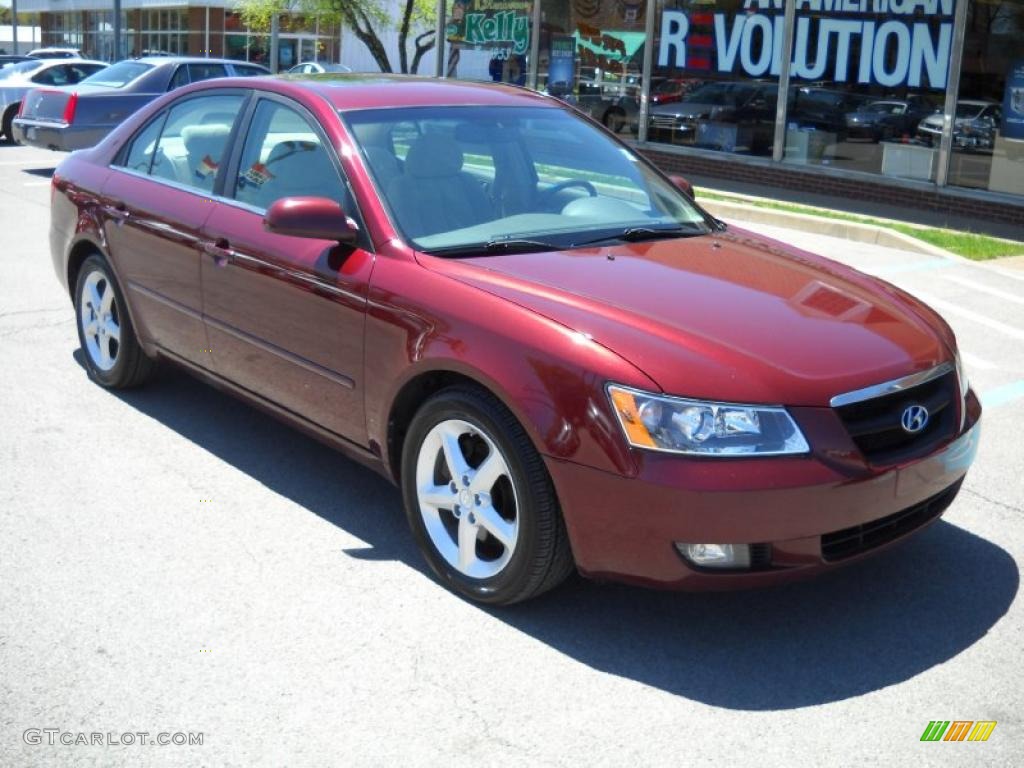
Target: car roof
362 91
165 60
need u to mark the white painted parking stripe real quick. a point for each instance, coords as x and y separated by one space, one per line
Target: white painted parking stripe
973 361
1003 395
914 266
45 183
977 317
23 162
973 284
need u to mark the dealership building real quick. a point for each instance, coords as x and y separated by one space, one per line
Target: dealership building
178 27
908 103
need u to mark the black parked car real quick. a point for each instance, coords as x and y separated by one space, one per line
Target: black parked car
823 109
888 118
80 116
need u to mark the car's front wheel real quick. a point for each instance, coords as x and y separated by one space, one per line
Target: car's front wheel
113 356
479 500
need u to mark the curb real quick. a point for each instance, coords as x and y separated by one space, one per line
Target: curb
819 225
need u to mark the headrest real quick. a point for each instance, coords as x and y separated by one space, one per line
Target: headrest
433 156
192 134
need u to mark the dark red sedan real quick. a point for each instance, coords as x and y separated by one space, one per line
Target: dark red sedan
563 361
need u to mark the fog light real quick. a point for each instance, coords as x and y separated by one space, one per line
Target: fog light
716 555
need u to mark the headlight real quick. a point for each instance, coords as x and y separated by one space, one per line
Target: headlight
696 427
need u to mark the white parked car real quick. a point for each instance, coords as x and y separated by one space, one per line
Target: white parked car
55 53
317 68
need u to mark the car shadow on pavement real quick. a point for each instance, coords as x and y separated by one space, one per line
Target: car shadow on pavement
859 629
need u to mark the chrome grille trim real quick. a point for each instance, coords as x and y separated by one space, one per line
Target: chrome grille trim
891 387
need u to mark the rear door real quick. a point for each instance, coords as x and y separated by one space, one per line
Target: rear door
285 314
155 204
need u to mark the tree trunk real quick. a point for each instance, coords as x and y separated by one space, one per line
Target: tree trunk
363 29
403 35
421 49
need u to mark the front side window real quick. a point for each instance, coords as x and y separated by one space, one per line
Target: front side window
284 157
192 144
461 180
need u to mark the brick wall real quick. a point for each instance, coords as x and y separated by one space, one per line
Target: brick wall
944 204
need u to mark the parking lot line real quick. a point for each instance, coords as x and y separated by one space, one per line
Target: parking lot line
915 266
1005 295
977 317
1003 395
973 361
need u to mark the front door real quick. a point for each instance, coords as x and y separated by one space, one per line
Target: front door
156 201
285 314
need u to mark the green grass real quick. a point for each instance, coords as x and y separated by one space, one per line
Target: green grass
966 244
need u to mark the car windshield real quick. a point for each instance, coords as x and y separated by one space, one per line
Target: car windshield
16 71
968 110
117 75
473 180
718 95
884 107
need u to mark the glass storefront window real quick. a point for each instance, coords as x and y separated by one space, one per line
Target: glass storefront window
489 40
591 55
988 131
867 88
714 83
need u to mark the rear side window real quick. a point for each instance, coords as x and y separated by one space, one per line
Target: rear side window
179 79
192 143
197 72
53 76
241 70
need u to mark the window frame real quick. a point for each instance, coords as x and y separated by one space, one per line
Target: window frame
239 140
118 162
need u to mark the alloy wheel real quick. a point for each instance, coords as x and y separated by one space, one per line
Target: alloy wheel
467 498
100 319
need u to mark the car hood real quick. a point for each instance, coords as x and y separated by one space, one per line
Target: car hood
731 316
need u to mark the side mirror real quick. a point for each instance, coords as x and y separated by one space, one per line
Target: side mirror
314 217
683 185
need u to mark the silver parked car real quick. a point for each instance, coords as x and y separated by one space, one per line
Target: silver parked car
78 117
18 79
318 68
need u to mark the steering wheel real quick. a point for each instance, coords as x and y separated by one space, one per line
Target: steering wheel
545 196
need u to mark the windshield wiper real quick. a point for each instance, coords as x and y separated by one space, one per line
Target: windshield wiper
493 246
636 234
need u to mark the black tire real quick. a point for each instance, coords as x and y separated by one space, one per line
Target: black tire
614 120
541 558
8 124
131 367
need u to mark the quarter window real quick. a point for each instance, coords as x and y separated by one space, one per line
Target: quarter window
284 157
140 156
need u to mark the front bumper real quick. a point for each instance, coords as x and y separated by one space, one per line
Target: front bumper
625 529
58 136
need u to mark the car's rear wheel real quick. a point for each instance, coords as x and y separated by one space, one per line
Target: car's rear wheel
113 356
479 500
8 124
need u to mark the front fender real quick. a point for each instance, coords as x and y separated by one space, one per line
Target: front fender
551 377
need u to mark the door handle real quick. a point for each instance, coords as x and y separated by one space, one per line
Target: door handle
118 211
220 250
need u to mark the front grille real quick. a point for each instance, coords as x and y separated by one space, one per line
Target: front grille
877 431
848 542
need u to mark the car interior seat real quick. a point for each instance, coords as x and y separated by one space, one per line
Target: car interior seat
204 150
434 194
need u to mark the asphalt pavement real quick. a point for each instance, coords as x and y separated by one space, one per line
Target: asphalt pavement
172 561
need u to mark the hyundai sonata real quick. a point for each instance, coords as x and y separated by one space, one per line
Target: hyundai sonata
563 361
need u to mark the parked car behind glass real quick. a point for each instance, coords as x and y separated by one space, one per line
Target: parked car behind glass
888 118
17 80
73 118
974 127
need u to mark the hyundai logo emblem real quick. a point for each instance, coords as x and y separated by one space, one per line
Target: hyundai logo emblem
914 419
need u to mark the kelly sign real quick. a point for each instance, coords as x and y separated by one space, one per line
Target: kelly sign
873 42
